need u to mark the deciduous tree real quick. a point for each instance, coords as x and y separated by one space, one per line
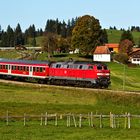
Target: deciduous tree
86 34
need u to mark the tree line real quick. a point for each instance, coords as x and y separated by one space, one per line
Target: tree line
12 37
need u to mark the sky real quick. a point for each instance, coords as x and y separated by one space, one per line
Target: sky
119 13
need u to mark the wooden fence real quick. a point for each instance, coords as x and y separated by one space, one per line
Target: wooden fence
76 120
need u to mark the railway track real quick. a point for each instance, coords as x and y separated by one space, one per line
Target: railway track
66 87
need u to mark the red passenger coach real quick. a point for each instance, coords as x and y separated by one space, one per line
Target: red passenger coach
24 69
77 73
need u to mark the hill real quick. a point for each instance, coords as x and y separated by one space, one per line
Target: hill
114 36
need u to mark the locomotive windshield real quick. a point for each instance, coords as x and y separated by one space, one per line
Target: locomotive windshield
101 67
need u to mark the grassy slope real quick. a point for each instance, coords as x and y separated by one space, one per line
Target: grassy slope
129 75
33 100
114 36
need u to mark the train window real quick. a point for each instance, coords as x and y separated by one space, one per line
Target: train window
81 66
99 67
34 69
41 69
70 66
37 69
27 69
58 65
105 67
65 66
7 67
24 68
53 65
90 67
0 67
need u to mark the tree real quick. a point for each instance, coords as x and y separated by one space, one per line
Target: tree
10 36
103 37
125 46
49 44
63 44
127 35
19 40
86 34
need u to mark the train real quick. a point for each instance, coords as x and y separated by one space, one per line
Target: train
71 73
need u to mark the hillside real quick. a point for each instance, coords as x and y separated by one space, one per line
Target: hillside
114 36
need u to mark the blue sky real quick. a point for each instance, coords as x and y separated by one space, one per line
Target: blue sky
119 13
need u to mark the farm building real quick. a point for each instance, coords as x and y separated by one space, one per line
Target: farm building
113 47
102 54
134 57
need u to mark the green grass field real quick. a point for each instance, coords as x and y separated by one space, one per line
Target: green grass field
115 35
18 99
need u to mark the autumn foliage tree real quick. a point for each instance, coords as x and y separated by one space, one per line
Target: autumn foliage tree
86 34
125 46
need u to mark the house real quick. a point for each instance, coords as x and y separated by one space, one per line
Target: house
134 56
113 47
102 54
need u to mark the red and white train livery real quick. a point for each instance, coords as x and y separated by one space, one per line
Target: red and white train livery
86 74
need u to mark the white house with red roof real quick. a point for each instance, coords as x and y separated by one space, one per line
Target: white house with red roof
102 54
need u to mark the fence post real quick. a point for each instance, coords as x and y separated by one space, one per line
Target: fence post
125 122
129 122
114 121
41 119
111 120
89 119
24 119
101 121
80 120
56 119
68 120
46 118
91 122
74 121
7 118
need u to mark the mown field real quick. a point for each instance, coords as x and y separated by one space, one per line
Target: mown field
20 99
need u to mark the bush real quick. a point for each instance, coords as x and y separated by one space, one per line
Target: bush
121 57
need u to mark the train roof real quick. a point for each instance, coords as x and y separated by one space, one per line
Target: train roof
23 61
78 62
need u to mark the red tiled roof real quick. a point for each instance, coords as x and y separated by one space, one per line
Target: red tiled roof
101 50
112 45
135 49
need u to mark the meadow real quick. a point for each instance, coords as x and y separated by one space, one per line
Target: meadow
20 99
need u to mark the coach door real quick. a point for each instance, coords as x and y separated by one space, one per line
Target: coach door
31 71
9 69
